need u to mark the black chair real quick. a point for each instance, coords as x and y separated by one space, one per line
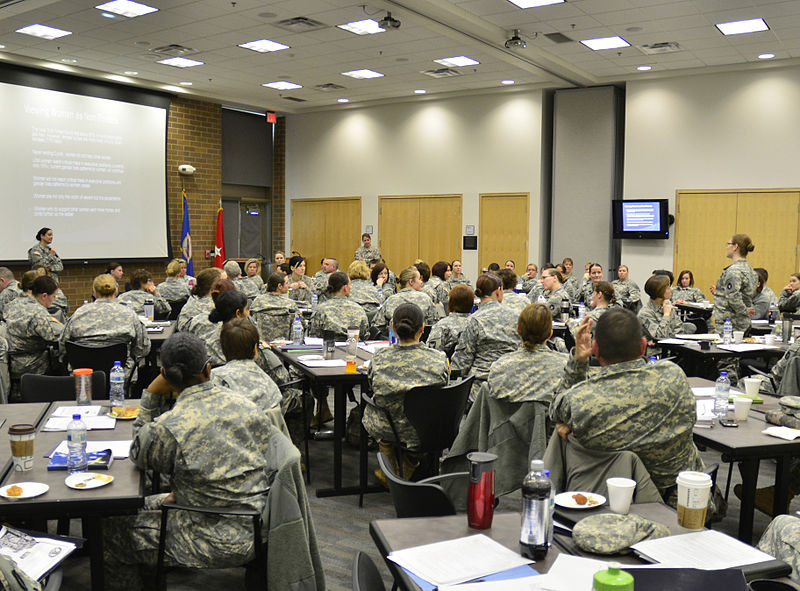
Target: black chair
365 574
256 575
424 498
39 388
175 307
97 358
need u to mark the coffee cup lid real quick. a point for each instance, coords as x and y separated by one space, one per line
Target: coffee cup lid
690 478
21 429
82 371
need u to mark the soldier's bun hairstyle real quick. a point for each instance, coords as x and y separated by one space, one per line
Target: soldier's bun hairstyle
226 305
535 325
275 280
743 243
406 275
336 282
44 284
605 288
407 320
104 285
41 233
220 286
28 277
183 356
205 281
238 338
487 284
656 286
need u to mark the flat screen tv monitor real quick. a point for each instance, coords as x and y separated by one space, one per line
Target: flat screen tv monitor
640 219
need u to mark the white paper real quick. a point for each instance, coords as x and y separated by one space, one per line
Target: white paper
708 336
782 432
373 346
705 409
745 347
324 362
313 341
759 322
92 423
34 556
709 392
572 573
705 550
522 584
119 449
84 411
673 342
456 561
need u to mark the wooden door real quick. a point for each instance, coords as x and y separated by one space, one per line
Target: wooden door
440 228
503 230
342 230
398 226
308 232
326 228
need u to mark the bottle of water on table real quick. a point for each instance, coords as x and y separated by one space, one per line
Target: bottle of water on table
117 386
727 332
721 392
536 515
314 300
297 330
76 445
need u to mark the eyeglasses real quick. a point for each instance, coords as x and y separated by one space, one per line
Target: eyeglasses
730 243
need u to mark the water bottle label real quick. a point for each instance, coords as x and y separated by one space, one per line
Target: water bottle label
535 521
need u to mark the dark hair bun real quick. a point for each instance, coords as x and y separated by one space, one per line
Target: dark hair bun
175 373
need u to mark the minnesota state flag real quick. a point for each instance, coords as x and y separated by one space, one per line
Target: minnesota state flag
186 238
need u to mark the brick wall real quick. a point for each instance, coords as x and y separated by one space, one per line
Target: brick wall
279 187
194 136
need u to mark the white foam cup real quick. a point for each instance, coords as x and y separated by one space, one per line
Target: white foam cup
693 493
741 406
769 339
738 336
620 494
751 386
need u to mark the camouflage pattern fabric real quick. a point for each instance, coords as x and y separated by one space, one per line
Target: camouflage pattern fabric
789 302
573 284
173 289
244 377
761 305
364 293
273 314
779 369
587 288
646 409
13 578
554 299
574 323
527 375
367 254
535 292
790 405
60 307
453 281
609 533
302 295
257 280
437 290
444 334
657 326
319 284
135 300
516 301
393 372
30 331
337 314
10 293
177 443
490 332
687 294
5 379
193 307
734 295
626 292
383 319
528 284
38 254
782 540
208 332
247 287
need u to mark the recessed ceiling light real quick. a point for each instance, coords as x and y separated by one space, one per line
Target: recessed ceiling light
457 61
43 31
126 8
185 83
752 25
534 3
644 68
69 60
365 27
766 56
108 15
180 62
605 43
507 82
343 100
420 91
282 85
131 73
362 74
264 45
2 46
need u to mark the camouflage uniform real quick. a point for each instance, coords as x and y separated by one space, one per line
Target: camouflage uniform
687 294
383 319
107 322
574 323
11 292
393 372
247 287
528 284
516 301
761 305
30 332
244 377
257 280
437 291
789 302
192 308
5 379
60 307
367 254
490 332
300 295
777 371
535 292
38 254
444 334
453 281
573 284
364 293
626 292
767 291
657 326
337 314
527 375
782 540
177 444
554 299
646 409
135 300
320 282
173 289
209 333
735 288
273 314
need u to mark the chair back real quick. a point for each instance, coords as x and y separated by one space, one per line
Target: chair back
96 358
415 499
436 411
175 307
365 574
39 388
274 324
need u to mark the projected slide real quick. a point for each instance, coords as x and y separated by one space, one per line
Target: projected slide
641 217
92 169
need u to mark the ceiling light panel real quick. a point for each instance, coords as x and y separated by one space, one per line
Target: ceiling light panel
753 25
126 8
43 31
264 46
362 74
363 27
180 62
602 43
458 61
534 3
282 85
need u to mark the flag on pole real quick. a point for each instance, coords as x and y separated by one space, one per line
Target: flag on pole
219 242
186 238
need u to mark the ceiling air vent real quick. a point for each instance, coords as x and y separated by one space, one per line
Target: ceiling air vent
293 98
558 38
663 47
441 73
173 49
328 87
300 24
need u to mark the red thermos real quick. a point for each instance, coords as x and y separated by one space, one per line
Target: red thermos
480 505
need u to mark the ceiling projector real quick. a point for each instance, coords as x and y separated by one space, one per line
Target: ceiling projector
389 23
515 41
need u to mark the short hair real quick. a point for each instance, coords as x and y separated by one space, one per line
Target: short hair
205 280
406 275
6 273
512 262
553 271
275 280
606 289
461 299
689 273
532 265
487 284
743 244
494 267
618 334
454 261
173 269
666 272
279 252
407 320
621 266
424 270
42 232
377 270
561 269
358 270
564 262
250 262
593 265
104 285
285 268
112 265
337 281
44 284
334 261
656 286
366 235
220 286
140 277
28 277
238 338
508 278
183 356
226 305
232 269
535 324
440 269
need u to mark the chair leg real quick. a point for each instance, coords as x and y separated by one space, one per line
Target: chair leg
728 484
306 431
161 581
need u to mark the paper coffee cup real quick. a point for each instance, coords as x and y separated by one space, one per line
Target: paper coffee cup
741 406
22 437
769 339
751 386
738 336
693 492
620 494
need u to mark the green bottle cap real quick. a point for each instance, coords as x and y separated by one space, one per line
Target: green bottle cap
612 579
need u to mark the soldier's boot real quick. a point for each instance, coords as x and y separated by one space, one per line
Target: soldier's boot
387 449
409 466
323 414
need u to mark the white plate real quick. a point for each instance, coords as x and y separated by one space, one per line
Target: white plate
29 490
131 418
565 500
309 357
87 480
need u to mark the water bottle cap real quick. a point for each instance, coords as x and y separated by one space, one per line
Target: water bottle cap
653 358
537 465
723 373
76 417
116 363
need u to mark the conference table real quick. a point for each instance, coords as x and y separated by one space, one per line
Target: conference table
125 495
700 361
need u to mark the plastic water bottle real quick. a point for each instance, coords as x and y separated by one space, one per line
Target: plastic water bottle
76 445
297 330
116 379
392 337
552 508
727 332
581 311
314 300
149 308
773 313
721 392
653 360
536 516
